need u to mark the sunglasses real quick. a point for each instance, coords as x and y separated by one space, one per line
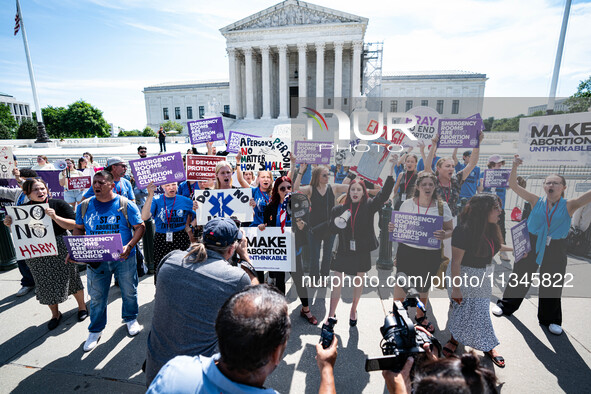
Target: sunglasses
284 188
325 175
143 151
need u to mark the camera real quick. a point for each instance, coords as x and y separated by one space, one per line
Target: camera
327 333
400 337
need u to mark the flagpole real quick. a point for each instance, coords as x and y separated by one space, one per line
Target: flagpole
552 96
41 132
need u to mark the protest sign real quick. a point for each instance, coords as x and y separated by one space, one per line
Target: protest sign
79 183
204 130
415 229
6 162
521 242
313 152
556 139
372 161
459 133
224 203
264 154
271 249
496 178
425 129
52 179
162 169
90 248
202 168
234 141
32 231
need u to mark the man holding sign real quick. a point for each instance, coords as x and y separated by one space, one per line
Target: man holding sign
117 167
109 213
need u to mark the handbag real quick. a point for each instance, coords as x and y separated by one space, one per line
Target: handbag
444 260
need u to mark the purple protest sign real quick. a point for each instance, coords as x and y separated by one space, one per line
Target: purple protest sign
52 178
459 133
234 141
311 152
91 248
415 229
521 242
496 178
161 169
204 130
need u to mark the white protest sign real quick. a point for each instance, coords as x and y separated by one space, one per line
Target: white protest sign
224 203
6 162
556 139
264 154
32 231
271 249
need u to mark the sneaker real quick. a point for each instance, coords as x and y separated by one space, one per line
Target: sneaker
92 341
133 327
497 310
555 329
24 290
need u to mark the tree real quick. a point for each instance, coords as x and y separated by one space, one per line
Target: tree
149 132
7 119
488 122
5 132
27 130
581 100
53 117
170 125
83 120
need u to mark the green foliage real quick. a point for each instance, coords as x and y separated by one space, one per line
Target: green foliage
170 125
6 118
149 132
130 133
27 130
5 132
53 117
488 122
507 124
83 120
581 100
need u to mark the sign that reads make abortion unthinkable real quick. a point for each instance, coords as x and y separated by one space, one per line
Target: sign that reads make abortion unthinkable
205 130
496 178
224 203
416 229
163 169
264 154
313 152
32 231
459 133
91 248
271 249
521 242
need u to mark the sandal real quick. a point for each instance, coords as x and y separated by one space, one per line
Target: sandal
427 326
499 361
447 352
311 319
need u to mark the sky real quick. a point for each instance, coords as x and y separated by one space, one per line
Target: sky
106 51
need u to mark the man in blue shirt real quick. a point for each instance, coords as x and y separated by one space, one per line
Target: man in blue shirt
470 185
252 329
117 167
105 214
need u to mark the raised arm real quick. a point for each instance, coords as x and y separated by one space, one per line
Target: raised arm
307 190
520 191
454 156
147 208
431 155
239 175
473 159
575 203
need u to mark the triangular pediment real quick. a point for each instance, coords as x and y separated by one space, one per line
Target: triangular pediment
292 13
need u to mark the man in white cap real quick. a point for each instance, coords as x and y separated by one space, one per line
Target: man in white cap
117 167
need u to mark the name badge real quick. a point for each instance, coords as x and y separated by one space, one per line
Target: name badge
169 236
493 189
403 197
352 245
548 239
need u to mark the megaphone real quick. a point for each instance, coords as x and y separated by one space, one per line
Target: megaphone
341 221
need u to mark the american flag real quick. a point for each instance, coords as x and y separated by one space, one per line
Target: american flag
17 23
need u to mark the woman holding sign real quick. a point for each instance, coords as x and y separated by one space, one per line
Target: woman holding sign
354 223
172 215
418 260
70 196
261 194
405 184
548 225
55 280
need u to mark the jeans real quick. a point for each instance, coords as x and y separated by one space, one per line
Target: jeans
162 145
27 279
99 282
316 243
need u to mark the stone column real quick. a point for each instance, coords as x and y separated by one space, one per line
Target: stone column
302 74
338 74
265 84
320 72
356 78
233 81
238 71
283 92
249 79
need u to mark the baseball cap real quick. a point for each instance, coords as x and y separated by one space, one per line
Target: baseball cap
495 159
114 160
221 232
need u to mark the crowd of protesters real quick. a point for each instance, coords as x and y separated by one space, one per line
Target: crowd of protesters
208 287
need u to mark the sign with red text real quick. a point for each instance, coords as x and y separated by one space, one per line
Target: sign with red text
6 162
202 168
79 183
32 231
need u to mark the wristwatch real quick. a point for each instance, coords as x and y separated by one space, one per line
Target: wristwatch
246 265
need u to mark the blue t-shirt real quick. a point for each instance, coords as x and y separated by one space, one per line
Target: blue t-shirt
172 215
186 189
421 164
106 218
122 187
307 177
261 199
470 183
499 191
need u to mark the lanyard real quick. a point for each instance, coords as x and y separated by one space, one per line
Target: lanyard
118 190
406 182
265 197
447 194
190 190
549 219
353 219
419 208
492 246
166 212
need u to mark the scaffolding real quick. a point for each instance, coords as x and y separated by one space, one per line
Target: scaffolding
372 74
